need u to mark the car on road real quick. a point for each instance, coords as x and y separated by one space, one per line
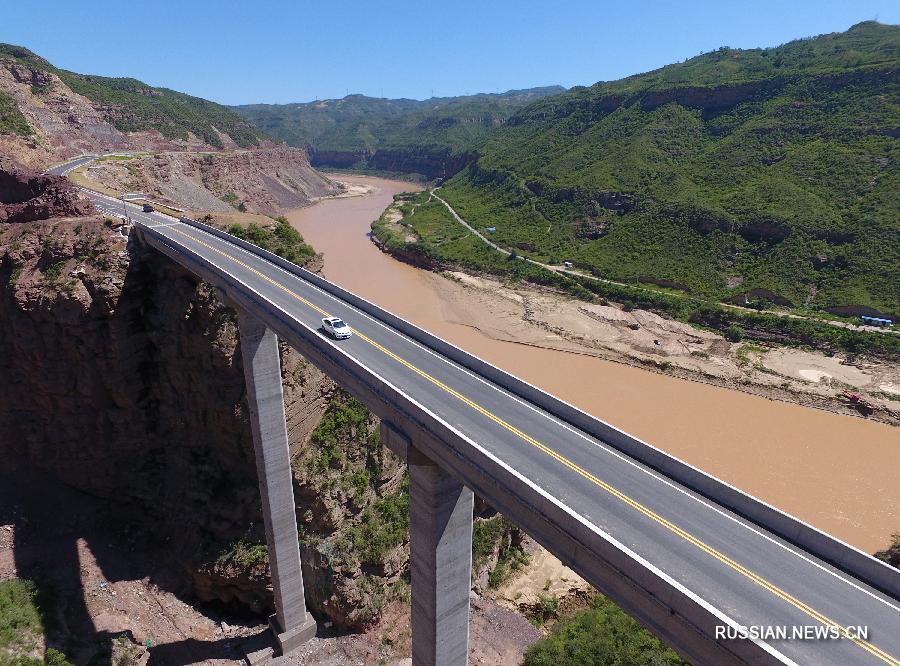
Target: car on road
148 208
336 328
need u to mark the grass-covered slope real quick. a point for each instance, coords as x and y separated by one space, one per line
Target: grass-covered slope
135 106
360 125
426 234
768 169
11 119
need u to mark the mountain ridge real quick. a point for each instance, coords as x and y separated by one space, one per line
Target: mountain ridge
738 170
435 137
48 114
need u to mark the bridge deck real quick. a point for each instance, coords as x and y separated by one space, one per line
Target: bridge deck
752 577
746 574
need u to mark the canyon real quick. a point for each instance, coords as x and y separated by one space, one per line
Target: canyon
131 496
817 476
124 396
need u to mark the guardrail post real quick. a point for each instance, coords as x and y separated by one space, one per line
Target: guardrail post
440 536
292 624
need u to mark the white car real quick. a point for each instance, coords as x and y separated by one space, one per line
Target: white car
336 328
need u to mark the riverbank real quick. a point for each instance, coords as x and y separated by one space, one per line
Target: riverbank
856 384
822 467
646 340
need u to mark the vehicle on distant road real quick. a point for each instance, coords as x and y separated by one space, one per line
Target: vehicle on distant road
336 328
148 208
877 321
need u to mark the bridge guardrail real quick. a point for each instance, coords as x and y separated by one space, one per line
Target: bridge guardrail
669 609
793 530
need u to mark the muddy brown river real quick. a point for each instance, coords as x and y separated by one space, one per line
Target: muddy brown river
839 473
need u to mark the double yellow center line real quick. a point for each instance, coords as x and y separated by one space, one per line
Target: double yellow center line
649 513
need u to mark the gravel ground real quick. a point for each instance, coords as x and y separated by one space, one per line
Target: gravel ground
108 582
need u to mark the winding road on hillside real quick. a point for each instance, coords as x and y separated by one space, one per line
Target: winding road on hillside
743 573
586 276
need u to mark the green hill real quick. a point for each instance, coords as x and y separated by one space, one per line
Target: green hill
739 174
434 136
134 106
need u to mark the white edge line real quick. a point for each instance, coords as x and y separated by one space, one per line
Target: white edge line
593 441
618 454
607 537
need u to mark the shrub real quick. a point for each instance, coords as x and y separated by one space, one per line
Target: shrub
15 275
20 619
53 272
282 239
383 526
734 333
55 658
600 636
546 609
245 553
891 554
485 535
11 119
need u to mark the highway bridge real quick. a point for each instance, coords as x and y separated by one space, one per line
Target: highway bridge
693 559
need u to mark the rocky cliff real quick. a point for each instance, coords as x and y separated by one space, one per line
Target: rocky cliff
265 180
62 114
123 378
191 153
64 124
26 196
436 137
431 163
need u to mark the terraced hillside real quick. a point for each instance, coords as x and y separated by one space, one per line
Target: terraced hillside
748 175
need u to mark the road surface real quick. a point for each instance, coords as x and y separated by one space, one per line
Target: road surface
749 575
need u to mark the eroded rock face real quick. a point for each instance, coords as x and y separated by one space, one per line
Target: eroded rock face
122 380
266 180
122 377
27 196
430 163
66 124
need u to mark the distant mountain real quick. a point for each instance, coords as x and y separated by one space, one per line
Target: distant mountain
752 175
47 113
435 137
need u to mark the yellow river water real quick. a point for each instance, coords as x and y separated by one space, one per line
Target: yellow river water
838 473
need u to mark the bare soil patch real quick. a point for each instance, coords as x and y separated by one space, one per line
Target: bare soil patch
114 588
538 317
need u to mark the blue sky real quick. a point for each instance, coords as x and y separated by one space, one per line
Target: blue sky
287 51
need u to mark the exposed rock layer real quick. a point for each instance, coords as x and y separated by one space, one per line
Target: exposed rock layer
123 378
26 196
268 180
187 173
65 124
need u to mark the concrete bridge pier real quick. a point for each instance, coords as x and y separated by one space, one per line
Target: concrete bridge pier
292 624
440 538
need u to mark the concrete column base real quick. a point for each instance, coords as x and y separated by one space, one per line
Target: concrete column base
259 657
440 538
290 640
265 399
